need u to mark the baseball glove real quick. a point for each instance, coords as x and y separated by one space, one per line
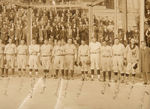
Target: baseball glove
80 63
88 62
135 66
75 63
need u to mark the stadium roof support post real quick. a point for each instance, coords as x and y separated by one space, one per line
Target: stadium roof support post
29 38
90 22
142 18
116 17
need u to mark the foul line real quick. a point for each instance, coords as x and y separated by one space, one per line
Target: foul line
28 96
59 95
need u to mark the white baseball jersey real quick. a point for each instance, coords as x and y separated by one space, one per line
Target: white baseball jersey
95 47
22 49
46 50
10 49
118 50
34 49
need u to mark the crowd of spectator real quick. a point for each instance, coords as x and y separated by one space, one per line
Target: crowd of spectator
60 23
57 23
13 22
147 22
104 30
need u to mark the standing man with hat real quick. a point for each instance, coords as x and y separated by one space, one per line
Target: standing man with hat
46 55
10 53
34 50
83 58
70 57
118 51
94 48
22 51
2 47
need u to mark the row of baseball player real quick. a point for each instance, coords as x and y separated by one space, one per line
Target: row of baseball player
63 56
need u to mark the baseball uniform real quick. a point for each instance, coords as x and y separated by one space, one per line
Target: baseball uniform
118 58
95 55
106 58
132 56
58 53
83 54
70 56
10 51
2 47
33 56
46 53
22 51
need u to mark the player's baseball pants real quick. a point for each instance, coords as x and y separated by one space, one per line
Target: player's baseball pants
106 63
33 62
59 62
69 62
84 60
1 61
95 61
118 64
10 61
21 61
45 62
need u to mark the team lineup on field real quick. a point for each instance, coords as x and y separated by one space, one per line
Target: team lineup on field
62 57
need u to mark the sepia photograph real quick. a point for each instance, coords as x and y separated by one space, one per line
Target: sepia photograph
74 54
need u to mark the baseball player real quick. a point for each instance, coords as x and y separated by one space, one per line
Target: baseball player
83 55
46 55
22 51
106 60
51 43
58 53
94 48
118 51
10 52
2 47
34 50
132 56
70 57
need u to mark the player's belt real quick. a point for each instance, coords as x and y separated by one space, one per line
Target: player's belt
84 55
33 54
59 55
106 56
117 55
10 54
21 54
94 52
70 54
45 55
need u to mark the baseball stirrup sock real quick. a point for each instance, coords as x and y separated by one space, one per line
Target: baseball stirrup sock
109 74
6 71
57 72
72 73
98 72
104 75
66 73
116 73
122 74
13 71
92 71
62 72
133 75
127 75
2 71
